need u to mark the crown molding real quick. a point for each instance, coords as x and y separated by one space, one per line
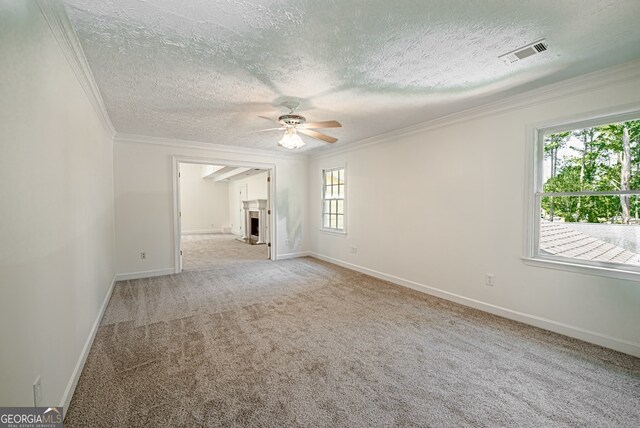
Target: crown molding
66 37
199 145
586 82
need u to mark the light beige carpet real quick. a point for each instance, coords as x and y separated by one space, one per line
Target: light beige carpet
305 343
202 252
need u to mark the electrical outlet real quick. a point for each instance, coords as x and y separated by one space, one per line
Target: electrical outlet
143 255
37 392
489 279
354 250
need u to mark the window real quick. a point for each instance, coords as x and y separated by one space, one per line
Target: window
587 194
333 191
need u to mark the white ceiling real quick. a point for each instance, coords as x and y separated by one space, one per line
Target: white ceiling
203 70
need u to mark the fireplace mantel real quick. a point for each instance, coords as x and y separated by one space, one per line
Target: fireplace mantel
255 204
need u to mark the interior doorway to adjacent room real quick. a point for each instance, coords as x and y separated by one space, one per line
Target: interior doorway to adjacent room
222 213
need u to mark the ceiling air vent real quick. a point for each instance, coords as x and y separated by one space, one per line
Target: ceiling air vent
524 52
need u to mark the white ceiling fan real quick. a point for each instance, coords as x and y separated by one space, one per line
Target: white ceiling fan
292 124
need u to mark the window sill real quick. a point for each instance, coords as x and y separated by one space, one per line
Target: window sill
342 233
582 268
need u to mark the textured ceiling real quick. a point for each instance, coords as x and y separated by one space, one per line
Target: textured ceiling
203 70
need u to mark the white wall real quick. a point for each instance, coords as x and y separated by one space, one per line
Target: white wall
256 187
57 227
144 202
204 203
442 207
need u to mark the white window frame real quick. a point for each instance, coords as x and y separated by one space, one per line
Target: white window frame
343 231
534 182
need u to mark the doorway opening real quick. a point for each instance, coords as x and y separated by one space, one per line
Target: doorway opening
222 213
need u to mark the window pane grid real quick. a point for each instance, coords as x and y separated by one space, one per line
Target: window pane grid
333 199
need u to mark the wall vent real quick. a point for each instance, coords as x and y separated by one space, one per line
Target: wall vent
524 52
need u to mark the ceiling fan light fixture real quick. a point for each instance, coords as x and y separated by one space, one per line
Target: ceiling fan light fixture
291 139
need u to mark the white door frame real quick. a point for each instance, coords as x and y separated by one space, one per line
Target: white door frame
175 163
241 215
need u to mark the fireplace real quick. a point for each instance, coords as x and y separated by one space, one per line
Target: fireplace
255 225
255 221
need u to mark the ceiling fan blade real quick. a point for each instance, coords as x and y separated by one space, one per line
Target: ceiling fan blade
269 119
317 135
271 129
325 124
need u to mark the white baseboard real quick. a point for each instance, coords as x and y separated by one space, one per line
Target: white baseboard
144 274
606 341
75 376
203 231
293 255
